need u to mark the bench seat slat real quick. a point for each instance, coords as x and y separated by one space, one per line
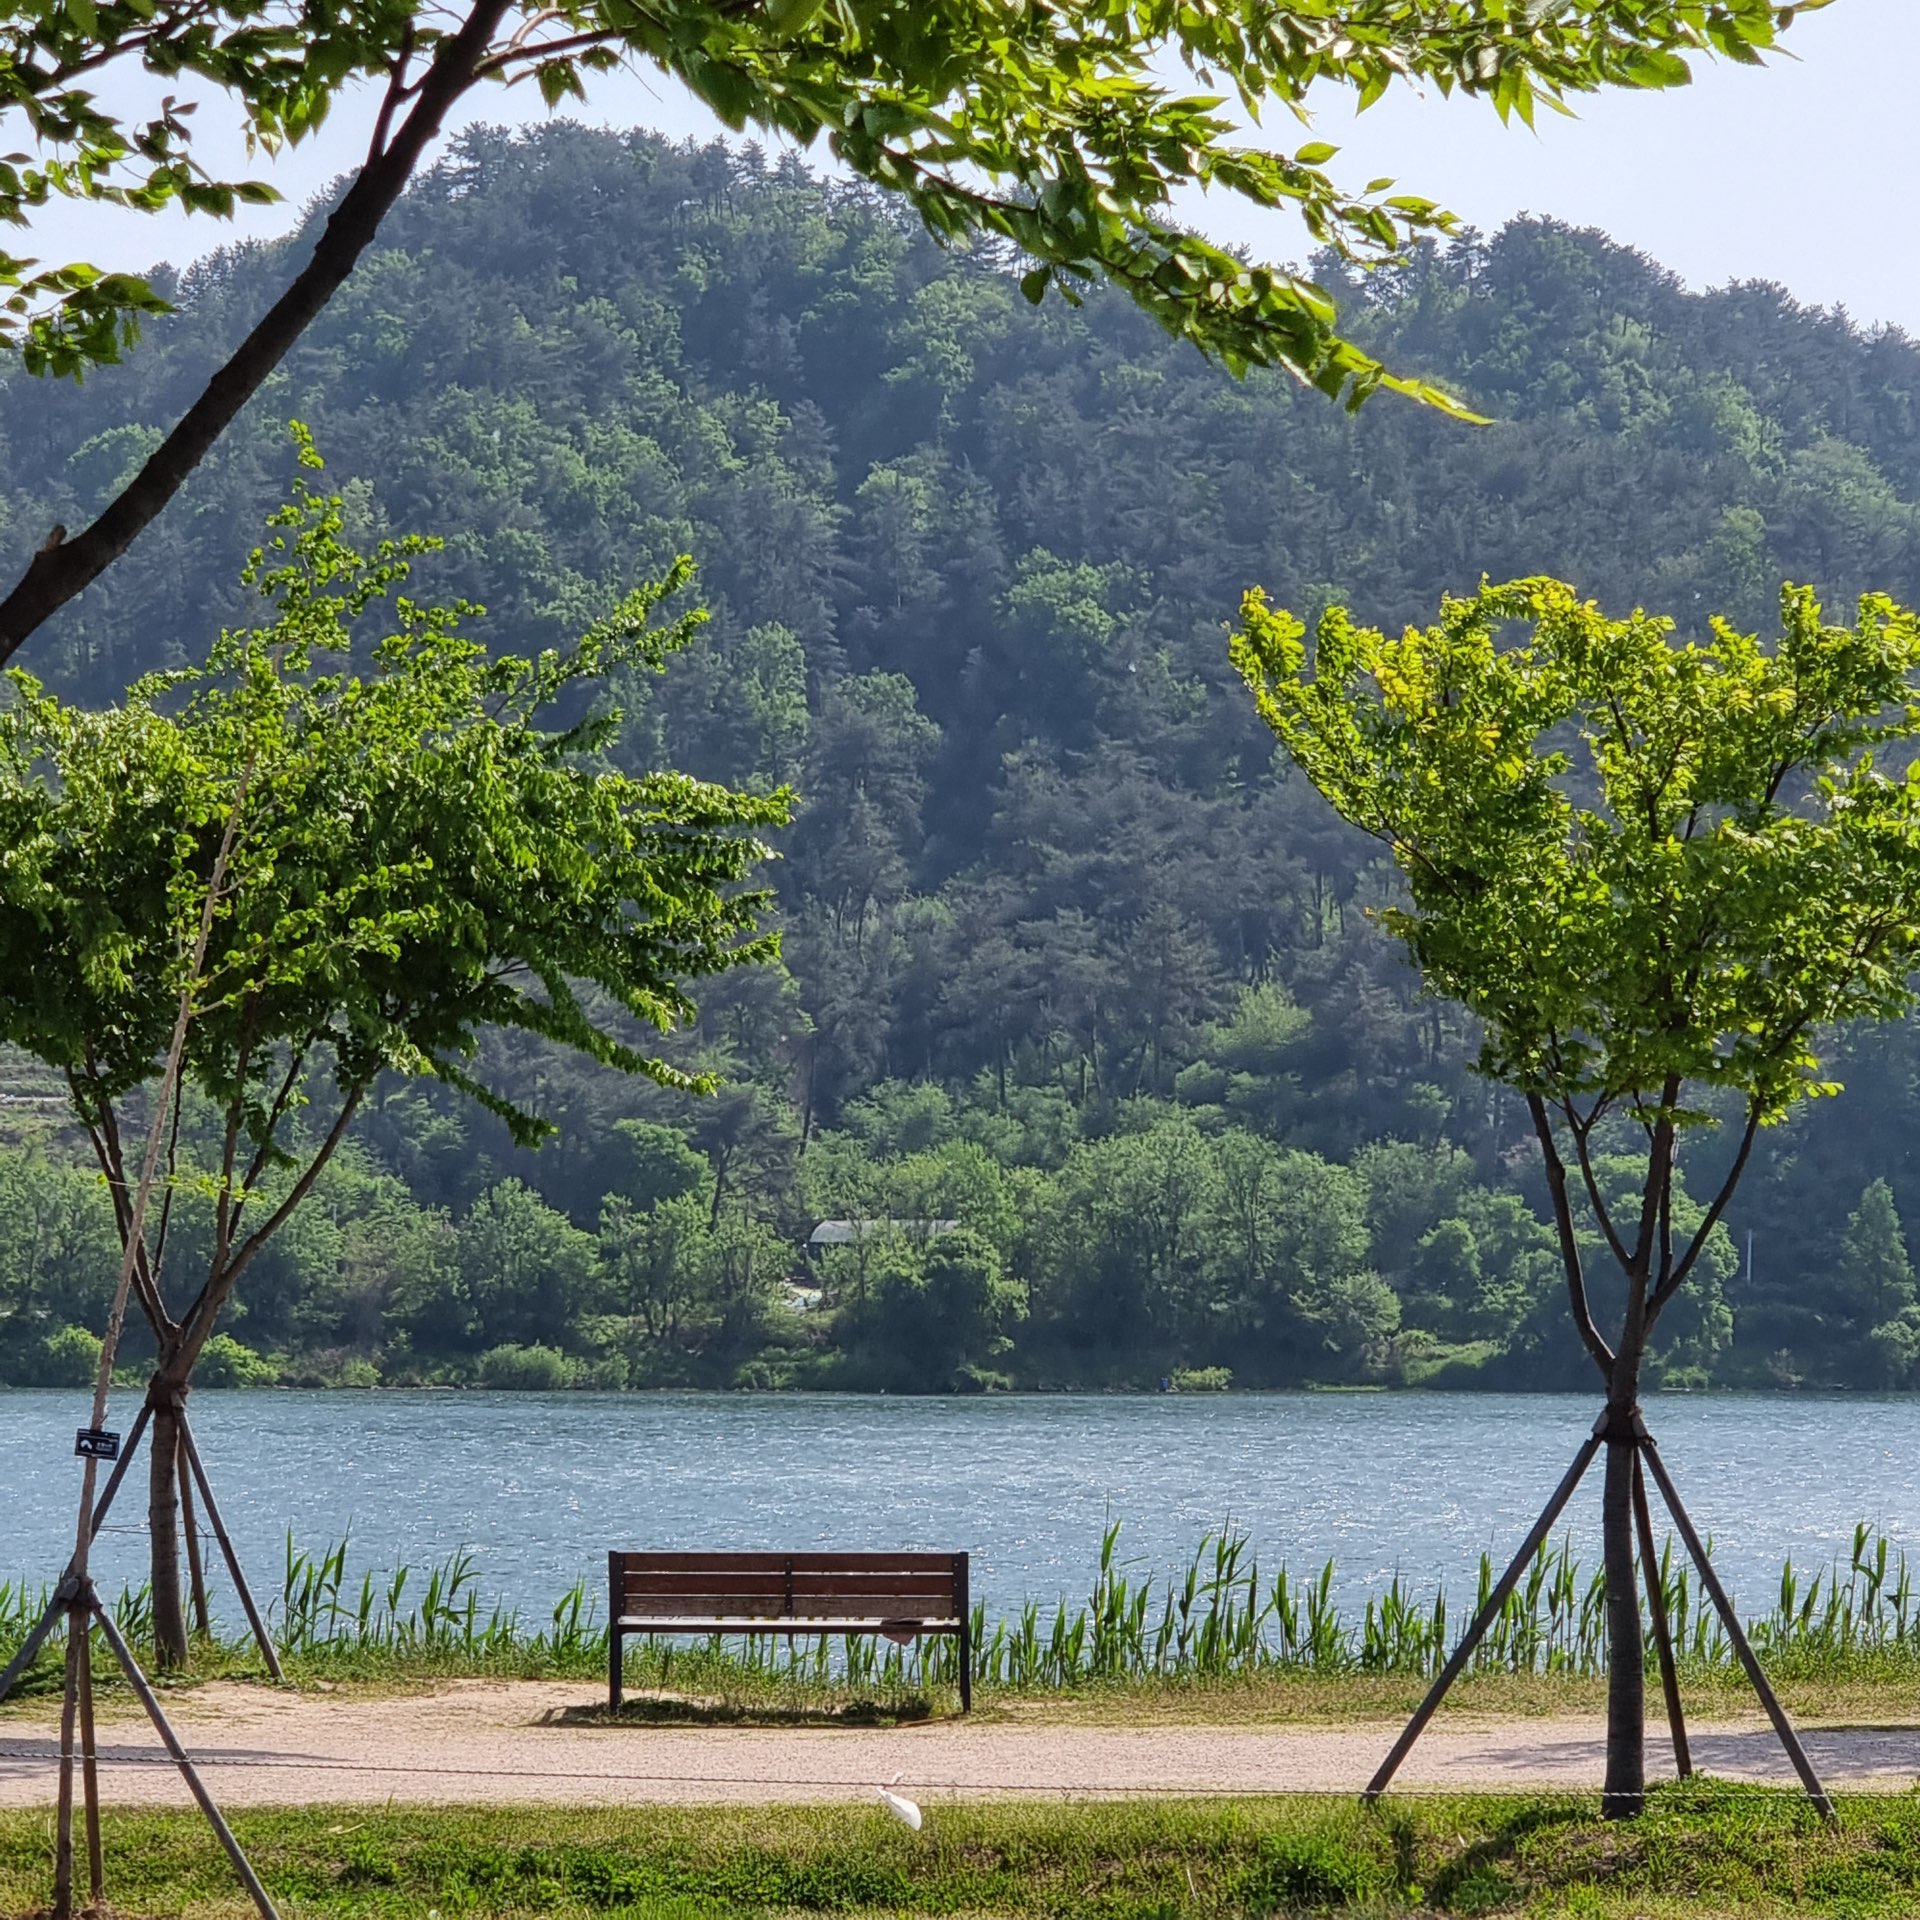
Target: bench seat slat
785 1623
740 1563
867 1606
801 1584
668 1577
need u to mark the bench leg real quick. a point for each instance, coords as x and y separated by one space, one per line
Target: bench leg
966 1666
614 1645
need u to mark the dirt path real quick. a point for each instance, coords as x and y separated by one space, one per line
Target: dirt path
486 1742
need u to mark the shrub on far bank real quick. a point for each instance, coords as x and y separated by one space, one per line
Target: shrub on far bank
66 1357
225 1362
1200 1379
525 1369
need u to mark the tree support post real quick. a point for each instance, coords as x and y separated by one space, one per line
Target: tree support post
76 1594
59 1600
1485 1618
189 1527
90 1770
261 1637
79 1624
119 1473
76 1705
1696 1548
188 1771
1643 1449
1662 1631
29 1649
62 1596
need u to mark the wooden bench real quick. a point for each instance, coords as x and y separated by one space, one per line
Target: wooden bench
901 1595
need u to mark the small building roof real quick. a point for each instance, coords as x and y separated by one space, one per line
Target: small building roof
846 1233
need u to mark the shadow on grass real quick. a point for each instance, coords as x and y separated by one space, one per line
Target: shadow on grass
1483 1874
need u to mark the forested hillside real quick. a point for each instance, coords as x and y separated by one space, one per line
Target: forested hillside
1070 961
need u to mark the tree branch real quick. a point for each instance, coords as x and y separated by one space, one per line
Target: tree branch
1666 1236
1659 1179
397 91
230 1141
1569 1246
166 1202
274 1116
1580 1135
104 1135
531 50
64 568
1673 1283
199 1318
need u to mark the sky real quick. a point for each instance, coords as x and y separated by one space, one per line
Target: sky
1801 174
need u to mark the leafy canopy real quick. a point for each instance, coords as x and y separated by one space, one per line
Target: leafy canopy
426 849
1639 863
1065 130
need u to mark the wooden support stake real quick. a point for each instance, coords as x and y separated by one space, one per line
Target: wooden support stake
90 1769
29 1648
232 1559
63 1821
196 1571
1485 1618
76 1591
1737 1634
189 1772
132 1445
1662 1631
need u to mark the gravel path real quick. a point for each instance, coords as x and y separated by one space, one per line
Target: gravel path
522 1742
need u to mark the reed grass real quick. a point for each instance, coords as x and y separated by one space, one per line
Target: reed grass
1223 1618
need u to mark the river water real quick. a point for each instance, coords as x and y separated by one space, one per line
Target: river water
537 1487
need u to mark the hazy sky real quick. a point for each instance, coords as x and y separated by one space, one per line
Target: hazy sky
1799 173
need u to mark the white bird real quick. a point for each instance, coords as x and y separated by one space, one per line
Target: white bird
902 1810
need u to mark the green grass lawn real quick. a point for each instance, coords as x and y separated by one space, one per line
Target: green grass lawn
1701 1851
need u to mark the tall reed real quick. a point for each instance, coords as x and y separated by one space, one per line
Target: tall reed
1221 1616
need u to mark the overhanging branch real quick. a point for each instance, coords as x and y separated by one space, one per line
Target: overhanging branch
64 568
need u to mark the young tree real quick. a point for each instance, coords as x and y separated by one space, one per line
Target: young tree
1052 130
1657 874
424 851
1877 1302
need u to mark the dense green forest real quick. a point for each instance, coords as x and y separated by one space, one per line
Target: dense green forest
1082 1019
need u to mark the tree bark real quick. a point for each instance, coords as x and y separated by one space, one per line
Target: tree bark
1624 1794
163 1527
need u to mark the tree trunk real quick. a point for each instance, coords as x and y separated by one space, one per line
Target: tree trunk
1624 1794
163 1526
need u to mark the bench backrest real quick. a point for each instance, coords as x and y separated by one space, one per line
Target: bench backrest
797 1586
